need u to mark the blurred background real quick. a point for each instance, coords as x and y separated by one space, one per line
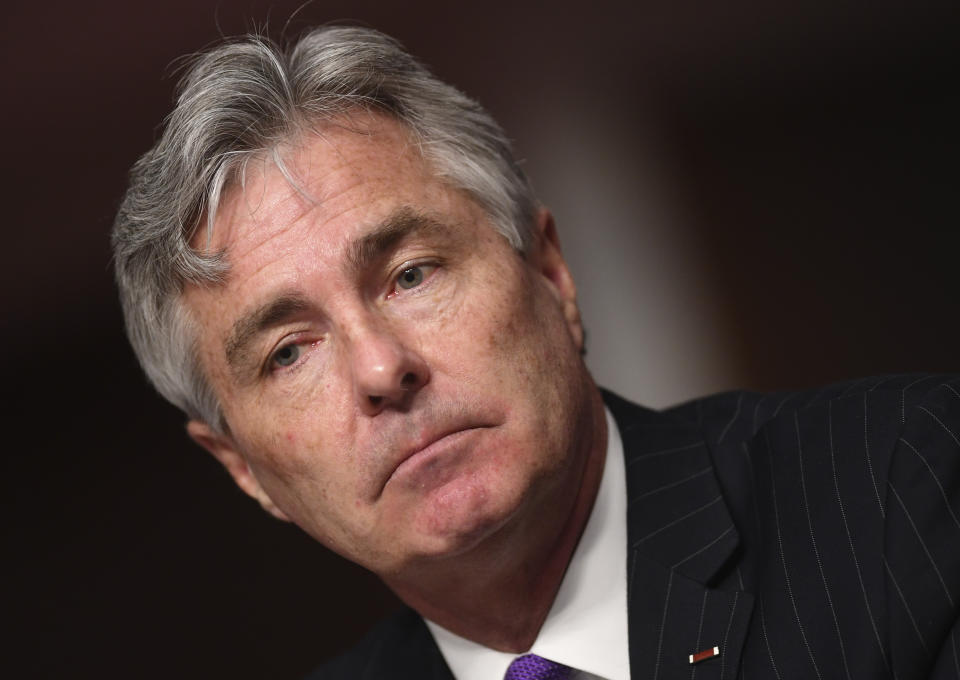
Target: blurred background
749 196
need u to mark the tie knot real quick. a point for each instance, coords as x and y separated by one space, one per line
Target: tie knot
533 667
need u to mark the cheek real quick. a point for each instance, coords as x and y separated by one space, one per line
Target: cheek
528 333
285 445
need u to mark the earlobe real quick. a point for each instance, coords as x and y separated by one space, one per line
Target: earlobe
553 267
223 448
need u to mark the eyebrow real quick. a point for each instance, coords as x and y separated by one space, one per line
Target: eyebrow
400 225
248 326
361 254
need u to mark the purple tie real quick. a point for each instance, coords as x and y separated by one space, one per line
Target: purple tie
533 667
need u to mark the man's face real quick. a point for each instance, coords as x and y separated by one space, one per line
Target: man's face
396 379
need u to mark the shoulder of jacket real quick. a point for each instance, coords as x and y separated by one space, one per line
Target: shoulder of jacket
731 418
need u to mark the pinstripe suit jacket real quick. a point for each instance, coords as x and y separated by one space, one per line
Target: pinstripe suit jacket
807 535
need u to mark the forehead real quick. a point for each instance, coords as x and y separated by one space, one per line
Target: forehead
331 181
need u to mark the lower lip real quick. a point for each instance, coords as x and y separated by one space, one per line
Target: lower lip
433 465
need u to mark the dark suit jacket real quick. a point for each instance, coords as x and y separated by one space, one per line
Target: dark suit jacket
807 535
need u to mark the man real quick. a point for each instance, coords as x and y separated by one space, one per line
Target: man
332 263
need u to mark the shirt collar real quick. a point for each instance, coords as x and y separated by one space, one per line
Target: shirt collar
586 627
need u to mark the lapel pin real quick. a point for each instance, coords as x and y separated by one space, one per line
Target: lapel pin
705 654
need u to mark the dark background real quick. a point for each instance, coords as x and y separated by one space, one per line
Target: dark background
811 154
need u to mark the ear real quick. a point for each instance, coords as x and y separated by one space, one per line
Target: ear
223 448
551 265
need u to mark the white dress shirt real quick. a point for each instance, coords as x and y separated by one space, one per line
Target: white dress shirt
587 624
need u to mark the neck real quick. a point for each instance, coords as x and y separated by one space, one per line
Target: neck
499 594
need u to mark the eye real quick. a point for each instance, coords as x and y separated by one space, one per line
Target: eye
286 356
410 277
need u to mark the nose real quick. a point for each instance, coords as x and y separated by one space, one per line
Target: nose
386 372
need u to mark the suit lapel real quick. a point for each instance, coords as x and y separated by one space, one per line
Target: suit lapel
681 541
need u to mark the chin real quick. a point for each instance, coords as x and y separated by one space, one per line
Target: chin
460 518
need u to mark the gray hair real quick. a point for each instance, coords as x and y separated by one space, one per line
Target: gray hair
244 98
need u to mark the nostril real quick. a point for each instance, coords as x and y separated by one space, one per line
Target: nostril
375 401
408 380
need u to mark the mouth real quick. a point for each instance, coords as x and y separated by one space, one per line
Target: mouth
431 461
